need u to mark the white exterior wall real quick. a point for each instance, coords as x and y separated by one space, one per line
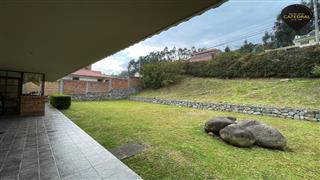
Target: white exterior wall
88 79
82 78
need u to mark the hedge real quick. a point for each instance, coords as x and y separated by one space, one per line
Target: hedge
60 101
161 74
283 64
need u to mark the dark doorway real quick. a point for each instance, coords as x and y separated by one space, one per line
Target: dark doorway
10 91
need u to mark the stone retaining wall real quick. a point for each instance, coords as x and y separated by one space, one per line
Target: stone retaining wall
113 94
302 114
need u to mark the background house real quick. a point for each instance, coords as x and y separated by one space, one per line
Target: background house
305 40
86 81
87 74
205 55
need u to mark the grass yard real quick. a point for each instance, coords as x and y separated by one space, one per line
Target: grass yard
299 93
179 149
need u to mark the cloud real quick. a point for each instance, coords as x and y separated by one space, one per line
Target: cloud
234 20
118 62
110 65
139 49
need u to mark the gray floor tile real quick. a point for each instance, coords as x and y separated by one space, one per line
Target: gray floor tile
66 169
29 174
89 174
53 147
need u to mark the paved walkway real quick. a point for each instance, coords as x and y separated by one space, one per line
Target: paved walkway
53 147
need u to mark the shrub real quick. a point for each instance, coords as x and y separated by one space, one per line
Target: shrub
60 101
289 64
161 74
280 64
316 71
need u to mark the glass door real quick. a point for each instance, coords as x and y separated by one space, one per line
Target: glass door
10 95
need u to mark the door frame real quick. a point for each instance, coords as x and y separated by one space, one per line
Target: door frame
19 92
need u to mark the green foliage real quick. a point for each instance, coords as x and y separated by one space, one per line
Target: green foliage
227 49
297 93
316 70
60 101
166 55
161 74
293 63
247 47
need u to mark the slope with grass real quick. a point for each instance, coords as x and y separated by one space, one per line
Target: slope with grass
298 93
179 149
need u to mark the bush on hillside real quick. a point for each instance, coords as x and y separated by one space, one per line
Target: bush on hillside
158 75
60 101
293 63
316 71
302 62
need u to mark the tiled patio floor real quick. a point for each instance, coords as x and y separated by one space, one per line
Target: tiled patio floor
53 147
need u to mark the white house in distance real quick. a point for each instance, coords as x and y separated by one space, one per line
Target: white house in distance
305 40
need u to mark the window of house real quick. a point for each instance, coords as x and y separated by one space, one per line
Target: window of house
32 84
75 78
100 80
305 42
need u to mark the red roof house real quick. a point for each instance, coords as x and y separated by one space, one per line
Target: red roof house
205 55
86 74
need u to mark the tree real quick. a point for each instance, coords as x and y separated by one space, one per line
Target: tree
165 55
161 74
123 74
227 49
268 41
132 67
247 47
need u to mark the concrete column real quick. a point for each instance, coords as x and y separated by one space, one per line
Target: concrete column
110 84
60 86
87 87
129 82
316 25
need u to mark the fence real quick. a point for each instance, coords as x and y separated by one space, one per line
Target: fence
74 87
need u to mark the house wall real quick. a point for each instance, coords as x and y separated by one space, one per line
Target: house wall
135 82
74 87
51 88
32 105
98 87
119 83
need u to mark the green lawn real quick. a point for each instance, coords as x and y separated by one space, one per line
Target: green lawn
179 149
299 93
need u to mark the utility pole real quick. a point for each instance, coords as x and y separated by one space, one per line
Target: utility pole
316 24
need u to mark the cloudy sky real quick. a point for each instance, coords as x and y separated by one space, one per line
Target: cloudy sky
230 24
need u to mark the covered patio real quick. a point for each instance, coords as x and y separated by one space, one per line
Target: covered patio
46 40
53 147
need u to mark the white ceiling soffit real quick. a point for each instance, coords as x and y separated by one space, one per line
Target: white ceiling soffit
60 37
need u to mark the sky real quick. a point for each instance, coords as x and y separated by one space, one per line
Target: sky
230 24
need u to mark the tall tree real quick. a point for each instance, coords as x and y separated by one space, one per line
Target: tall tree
227 49
247 47
173 54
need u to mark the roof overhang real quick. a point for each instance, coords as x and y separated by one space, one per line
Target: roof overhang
60 37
